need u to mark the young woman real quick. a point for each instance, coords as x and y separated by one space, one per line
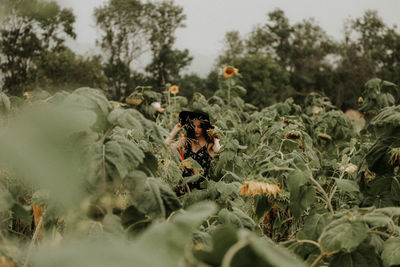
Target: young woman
200 142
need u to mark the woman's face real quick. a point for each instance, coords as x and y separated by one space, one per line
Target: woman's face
198 131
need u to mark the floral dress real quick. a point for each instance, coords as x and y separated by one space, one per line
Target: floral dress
203 158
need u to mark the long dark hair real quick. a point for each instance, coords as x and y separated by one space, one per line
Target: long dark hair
205 125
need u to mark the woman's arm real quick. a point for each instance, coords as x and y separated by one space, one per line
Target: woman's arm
171 137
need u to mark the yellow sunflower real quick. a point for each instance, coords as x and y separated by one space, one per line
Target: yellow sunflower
229 71
174 89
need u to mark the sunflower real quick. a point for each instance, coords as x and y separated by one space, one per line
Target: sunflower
229 71
174 89
253 188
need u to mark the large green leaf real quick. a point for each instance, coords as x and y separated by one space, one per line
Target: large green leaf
343 234
152 196
133 220
391 252
295 180
112 160
314 225
169 239
123 154
90 99
302 196
364 255
127 119
347 185
254 251
37 150
235 217
272 254
377 219
388 211
162 244
223 237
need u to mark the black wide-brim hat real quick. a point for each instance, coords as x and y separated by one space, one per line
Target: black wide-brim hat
186 116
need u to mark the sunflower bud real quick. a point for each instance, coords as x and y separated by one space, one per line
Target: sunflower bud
324 136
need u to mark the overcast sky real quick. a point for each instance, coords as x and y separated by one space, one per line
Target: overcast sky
208 21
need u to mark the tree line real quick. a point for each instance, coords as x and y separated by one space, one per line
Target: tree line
276 59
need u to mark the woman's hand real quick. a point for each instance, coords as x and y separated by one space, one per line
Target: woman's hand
173 133
177 128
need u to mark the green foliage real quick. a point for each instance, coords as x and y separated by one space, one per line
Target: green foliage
122 23
167 62
302 196
37 27
344 233
62 70
263 78
103 176
390 254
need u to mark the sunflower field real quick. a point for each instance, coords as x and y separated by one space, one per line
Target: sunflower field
85 181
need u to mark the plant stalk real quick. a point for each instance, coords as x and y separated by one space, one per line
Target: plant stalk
35 235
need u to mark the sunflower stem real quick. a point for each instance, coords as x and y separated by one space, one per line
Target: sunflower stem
229 95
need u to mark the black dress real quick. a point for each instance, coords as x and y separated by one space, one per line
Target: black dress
203 158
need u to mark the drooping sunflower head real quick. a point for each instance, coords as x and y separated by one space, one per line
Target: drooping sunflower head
253 188
174 89
229 71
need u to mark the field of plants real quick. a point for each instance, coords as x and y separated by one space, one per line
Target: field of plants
85 181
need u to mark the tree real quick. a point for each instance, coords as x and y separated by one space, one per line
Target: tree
233 48
123 23
298 54
273 38
64 70
167 62
308 60
369 49
30 28
265 80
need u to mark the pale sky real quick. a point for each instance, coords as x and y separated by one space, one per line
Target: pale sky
208 20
